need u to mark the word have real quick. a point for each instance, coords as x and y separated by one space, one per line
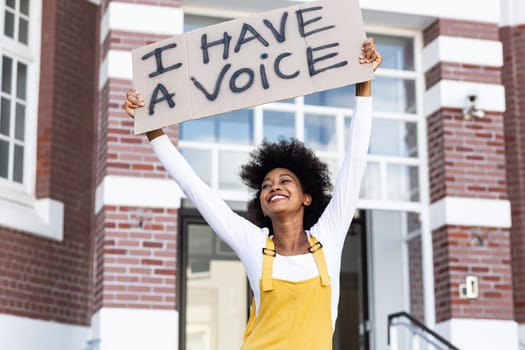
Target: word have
243 78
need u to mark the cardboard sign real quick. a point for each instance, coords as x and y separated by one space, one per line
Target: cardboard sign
262 58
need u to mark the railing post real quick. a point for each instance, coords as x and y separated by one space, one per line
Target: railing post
415 342
394 344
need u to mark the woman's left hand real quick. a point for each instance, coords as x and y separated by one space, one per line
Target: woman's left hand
369 54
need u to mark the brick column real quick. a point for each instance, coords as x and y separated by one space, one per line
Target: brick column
135 294
469 213
512 35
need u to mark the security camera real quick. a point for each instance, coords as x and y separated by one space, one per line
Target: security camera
471 111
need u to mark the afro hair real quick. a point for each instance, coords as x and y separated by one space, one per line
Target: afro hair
293 155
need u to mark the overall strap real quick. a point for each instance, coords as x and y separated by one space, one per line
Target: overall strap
316 248
268 257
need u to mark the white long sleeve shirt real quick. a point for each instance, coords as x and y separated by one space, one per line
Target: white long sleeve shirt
247 240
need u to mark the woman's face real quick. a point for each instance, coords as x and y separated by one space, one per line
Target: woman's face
281 193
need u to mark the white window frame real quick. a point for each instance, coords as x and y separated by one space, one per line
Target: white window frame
19 207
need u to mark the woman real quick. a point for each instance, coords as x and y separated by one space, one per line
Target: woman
291 249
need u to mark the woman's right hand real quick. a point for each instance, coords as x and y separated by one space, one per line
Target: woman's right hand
133 101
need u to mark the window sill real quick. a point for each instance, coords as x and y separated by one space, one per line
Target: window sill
41 217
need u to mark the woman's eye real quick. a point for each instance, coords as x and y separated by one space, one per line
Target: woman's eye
265 186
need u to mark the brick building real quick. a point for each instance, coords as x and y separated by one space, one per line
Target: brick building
100 250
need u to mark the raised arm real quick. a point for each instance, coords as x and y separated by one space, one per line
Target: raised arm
335 220
236 231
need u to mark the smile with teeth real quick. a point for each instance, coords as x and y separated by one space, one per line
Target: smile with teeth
277 197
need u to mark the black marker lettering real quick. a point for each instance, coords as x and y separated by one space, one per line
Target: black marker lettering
255 35
280 35
313 60
156 99
262 71
158 60
205 46
277 68
302 23
215 94
233 85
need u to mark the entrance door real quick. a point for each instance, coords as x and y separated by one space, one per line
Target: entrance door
213 295
351 330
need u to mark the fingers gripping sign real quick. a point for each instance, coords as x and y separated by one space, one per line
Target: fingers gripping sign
133 101
369 54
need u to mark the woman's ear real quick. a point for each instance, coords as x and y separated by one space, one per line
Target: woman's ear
307 199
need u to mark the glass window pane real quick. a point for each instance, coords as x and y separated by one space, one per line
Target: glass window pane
20 120
4 158
394 138
229 169
24 7
21 81
342 97
235 127
200 241
395 95
18 170
23 30
397 51
7 69
402 182
11 4
200 161
319 132
202 130
9 25
5 118
371 186
278 124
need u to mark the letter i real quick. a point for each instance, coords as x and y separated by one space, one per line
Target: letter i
262 70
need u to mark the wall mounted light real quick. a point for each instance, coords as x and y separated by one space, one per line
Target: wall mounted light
471 110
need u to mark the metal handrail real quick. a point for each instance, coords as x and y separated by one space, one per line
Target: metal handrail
420 325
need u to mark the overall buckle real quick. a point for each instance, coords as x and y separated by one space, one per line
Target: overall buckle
315 248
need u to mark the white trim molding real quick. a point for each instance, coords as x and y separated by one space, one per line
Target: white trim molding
453 94
139 18
117 64
512 13
138 192
464 51
42 217
470 212
521 334
135 329
480 334
21 333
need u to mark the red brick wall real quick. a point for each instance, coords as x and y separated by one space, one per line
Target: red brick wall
513 39
138 253
483 252
415 263
467 159
463 29
135 247
41 278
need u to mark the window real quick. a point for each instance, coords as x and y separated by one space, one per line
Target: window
19 75
18 67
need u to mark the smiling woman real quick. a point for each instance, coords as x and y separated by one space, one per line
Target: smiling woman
291 247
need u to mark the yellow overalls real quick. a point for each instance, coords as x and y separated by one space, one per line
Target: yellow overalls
293 315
